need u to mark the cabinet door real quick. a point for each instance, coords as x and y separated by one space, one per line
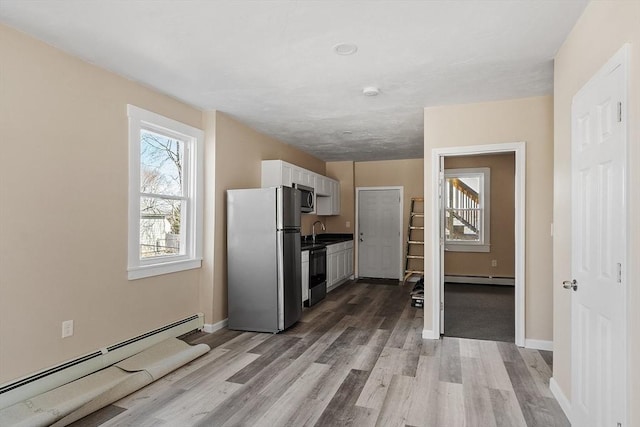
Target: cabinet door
342 264
307 178
335 198
332 269
286 175
296 176
349 259
322 186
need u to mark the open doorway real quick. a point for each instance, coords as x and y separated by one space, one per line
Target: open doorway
438 156
479 237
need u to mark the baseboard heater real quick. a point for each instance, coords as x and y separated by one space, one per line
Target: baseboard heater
50 378
481 280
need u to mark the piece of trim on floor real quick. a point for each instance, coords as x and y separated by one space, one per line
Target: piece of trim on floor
213 327
478 280
539 344
560 397
428 334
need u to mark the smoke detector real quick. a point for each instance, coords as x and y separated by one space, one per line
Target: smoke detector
370 91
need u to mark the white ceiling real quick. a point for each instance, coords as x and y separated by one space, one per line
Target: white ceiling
271 64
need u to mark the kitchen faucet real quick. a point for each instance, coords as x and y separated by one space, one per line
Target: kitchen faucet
313 230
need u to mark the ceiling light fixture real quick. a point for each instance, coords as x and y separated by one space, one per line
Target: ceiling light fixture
370 91
345 48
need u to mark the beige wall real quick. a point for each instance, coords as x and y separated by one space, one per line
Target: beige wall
407 173
502 219
63 252
598 34
63 210
529 120
238 155
343 172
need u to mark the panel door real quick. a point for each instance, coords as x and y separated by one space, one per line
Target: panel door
379 249
598 250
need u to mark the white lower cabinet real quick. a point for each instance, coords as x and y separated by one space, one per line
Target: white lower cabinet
305 276
339 263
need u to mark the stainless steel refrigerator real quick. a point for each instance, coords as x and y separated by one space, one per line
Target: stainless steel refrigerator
263 259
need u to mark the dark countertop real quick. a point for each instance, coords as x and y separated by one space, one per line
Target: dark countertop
324 239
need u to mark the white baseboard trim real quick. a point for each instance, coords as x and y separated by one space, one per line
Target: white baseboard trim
508 281
539 344
428 334
212 327
560 397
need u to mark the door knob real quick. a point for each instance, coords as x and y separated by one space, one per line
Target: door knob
570 284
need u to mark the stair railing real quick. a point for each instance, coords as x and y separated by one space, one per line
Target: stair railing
464 204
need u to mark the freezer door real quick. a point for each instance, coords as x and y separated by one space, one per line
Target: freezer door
289 278
252 260
288 208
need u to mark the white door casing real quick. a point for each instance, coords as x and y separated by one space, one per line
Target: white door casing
378 232
437 224
598 248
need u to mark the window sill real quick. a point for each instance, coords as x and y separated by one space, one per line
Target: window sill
164 268
467 248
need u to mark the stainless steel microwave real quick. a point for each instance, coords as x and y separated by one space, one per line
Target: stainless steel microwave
306 198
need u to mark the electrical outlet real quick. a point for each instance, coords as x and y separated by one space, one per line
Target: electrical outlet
67 328
494 263
348 224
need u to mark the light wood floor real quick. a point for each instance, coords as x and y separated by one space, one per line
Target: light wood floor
357 358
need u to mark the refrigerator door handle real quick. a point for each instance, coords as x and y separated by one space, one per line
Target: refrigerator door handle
280 259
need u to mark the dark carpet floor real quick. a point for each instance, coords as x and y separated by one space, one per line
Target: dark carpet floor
484 312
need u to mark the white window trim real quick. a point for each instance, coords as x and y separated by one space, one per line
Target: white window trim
484 245
192 258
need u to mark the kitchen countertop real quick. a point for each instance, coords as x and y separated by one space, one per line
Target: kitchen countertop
324 239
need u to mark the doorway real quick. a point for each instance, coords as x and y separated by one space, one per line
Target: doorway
479 256
438 229
378 232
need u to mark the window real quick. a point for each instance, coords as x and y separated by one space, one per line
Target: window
165 195
467 213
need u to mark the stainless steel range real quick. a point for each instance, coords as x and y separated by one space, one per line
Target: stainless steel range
317 275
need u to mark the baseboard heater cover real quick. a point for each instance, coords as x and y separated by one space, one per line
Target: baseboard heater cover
50 378
481 280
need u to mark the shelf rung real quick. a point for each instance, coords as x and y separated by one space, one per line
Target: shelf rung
413 227
417 215
418 199
415 242
415 256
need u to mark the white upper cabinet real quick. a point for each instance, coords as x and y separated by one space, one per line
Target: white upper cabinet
329 204
323 186
276 172
327 190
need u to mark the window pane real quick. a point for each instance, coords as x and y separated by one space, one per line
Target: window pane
463 216
463 225
161 161
463 192
160 227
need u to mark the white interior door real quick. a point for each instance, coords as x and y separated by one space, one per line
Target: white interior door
379 235
441 238
598 248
